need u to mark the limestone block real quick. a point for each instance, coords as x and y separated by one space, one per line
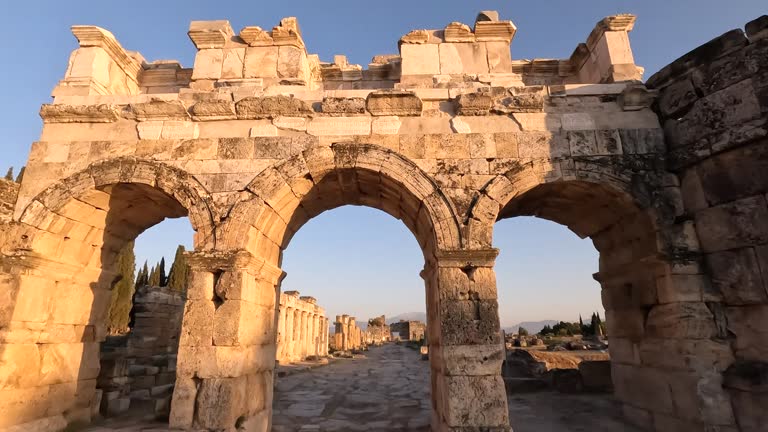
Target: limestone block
341 105
263 130
198 323
61 363
19 366
736 274
499 57
460 126
220 402
271 107
469 322
625 323
208 64
608 142
339 126
582 143
749 325
298 124
159 109
463 58
472 104
495 30
210 34
261 62
183 403
213 110
472 360
420 59
233 63
149 130
394 103
737 224
684 320
175 130
577 121
60 113
643 387
532 145
520 100
642 141
476 401
386 125
256 36
292 64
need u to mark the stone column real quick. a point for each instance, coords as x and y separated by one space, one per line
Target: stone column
280 332
295 354
466 350
227 344
303 336
315 329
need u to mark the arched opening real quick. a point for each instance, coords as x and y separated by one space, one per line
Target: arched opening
653 293
74 233
357 263
284 198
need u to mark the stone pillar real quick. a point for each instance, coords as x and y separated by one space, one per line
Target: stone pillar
280 331
303 336
315 334
227 344
466 350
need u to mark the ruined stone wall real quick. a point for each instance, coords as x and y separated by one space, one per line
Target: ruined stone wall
713 103
302 329
409 330
377 332
139 368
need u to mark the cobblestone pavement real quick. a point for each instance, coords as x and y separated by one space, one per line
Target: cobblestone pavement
389 391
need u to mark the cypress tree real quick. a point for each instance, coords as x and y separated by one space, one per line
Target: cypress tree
163 279
154 277
143 277
122 291
9 174
177 278
20 177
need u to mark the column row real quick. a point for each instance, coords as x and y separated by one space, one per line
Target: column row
302 329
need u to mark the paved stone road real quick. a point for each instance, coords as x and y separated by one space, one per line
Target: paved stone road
389 391
386 391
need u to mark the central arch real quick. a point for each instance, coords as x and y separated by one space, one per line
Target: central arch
250 242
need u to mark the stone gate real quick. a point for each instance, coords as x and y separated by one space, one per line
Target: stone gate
449 136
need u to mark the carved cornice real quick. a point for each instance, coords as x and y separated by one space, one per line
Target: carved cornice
60 113
92 36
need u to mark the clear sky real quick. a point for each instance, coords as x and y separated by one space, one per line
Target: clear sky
373 266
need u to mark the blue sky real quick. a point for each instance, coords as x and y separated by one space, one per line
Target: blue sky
384 277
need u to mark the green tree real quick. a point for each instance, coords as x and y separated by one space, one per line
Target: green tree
547 330
163 279
9 174
179 273
154 276
20 177
142 278
522 331
122 291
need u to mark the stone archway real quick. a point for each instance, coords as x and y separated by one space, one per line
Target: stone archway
61 275
668 350
282 199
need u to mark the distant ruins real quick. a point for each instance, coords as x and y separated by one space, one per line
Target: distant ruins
377 331
449 135
302 328
408 330
347 335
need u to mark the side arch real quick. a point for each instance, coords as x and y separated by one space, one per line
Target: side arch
95 185
287 195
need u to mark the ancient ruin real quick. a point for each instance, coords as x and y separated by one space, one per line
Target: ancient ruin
302 328
347 335
408 330
449 135
377 331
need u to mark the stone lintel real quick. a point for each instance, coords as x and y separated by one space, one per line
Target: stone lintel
210 34
487 31
308 299
619 23
467 258
158 109
458 32
60 113
394 103
92 36
214 261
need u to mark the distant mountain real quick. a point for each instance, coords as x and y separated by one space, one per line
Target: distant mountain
533 327
408 316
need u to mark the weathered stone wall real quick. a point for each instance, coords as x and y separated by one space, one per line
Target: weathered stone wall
139 368
447 136
713 103
302 329
409 330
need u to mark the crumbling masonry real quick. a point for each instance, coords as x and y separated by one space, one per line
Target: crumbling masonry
347 335
450 135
